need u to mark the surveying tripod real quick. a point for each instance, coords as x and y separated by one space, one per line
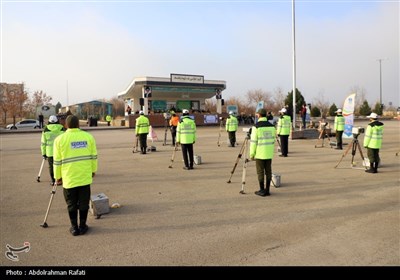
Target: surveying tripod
321 138
243 149
354 146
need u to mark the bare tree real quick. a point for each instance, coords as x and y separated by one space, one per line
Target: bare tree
13 98
322 104
39 98
255 96
118 106
211 105
278 100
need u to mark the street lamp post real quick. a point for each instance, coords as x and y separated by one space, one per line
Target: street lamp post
380 81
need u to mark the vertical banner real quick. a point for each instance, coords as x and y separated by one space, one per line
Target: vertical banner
348 114
260 105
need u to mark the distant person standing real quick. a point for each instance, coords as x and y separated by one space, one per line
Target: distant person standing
75 165
231 127
108 120
142 129
173 123
303 114
262 141
373 142
50 132
129 110
283 131
41 120
339 128
186 136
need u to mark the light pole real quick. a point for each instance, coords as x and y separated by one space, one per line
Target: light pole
294 65
380 81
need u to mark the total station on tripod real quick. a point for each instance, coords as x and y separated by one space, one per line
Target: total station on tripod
248 132
167 116
357 131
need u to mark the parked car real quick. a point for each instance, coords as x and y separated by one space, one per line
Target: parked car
28 123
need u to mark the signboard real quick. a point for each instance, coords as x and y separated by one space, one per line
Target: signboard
46 110
182 78
233 108
210 119
260 105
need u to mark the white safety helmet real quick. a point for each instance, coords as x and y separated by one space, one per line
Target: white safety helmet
185 111
373 116
53 119
339 111
283 110
230 112
141 113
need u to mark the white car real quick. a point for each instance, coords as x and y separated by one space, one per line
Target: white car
28 123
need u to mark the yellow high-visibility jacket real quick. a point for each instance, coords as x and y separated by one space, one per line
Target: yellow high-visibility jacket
374 135
231 123
262 140
50 132
186 131
75 158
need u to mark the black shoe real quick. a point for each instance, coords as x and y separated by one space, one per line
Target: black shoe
283 155
337 148
260 193
83 229
371 171
74 230
186 168
191 167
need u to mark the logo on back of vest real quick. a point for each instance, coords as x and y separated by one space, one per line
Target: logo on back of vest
78 145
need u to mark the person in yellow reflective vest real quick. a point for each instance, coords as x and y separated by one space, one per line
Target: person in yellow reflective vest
50 132
231 127
108 120
262 142
186 136
373 142
75 165
283 131
339 128
142 129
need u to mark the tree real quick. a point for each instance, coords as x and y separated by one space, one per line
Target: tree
13 98
365 109
321 103
315 112
332 110
299 100
378 109
39 98
278 100
118 106
257 95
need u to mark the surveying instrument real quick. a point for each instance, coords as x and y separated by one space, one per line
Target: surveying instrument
323 134
167 117
354 146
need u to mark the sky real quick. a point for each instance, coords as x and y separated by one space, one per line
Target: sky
77 51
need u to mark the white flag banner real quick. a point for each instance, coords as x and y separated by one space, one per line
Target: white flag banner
348 114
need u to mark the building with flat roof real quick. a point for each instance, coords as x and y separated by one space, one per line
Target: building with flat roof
179 91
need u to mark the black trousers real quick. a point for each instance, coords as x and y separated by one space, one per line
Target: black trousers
51 169
187 153
173 134
373 155
284 144
263 167
339 141
77 198
232 137
143 140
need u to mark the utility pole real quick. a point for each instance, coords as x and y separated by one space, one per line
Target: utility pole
380 81
294 66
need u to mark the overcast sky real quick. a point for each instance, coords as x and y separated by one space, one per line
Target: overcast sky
76 51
